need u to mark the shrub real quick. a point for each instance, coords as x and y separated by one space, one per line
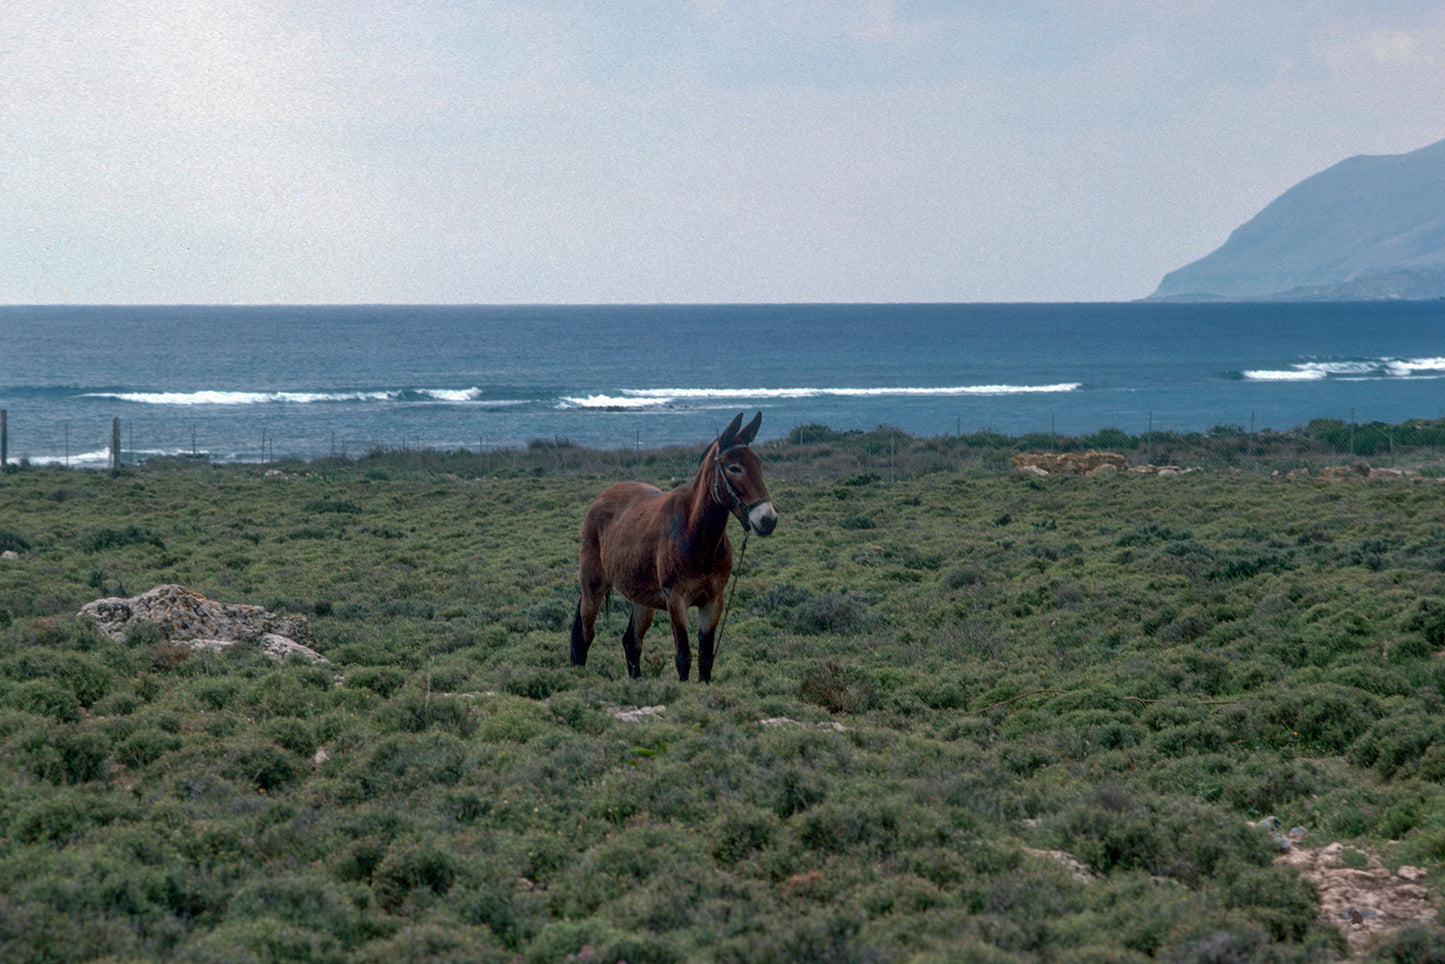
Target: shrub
436 942
779 598
963 576
106 539
1185 629
838 828
47 698
594 939
337 506
412 871
1397 743
419 712
1321 718
407 761
1112 829
411 608
1428 619
553 615
68 755
740 830
305 900
514 721
264 766
382 680
1411 944
13 542
828 685
63 815
828 612
811 434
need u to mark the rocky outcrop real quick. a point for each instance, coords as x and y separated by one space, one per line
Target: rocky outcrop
1358 893
183 616
1070 463
1361 896
1355 470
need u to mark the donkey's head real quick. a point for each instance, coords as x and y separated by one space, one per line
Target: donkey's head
738 476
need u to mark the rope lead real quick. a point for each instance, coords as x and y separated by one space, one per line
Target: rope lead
717 637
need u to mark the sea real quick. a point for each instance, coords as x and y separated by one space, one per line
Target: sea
254 384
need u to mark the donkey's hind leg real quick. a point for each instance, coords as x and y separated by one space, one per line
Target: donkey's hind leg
581 637
584 623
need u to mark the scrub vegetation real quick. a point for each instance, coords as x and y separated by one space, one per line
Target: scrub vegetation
927 689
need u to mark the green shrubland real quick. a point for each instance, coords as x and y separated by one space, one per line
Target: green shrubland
925 686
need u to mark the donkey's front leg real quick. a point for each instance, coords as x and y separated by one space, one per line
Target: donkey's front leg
707 620
677 613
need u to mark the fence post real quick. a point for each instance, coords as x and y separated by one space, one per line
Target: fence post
4 437
115 442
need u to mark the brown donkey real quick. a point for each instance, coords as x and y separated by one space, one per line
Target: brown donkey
670 550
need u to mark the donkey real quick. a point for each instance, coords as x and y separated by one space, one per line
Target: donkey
670 550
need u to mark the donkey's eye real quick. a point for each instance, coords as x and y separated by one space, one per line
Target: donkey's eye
735 470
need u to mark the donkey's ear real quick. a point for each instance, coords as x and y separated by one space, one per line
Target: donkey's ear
747 435
726 438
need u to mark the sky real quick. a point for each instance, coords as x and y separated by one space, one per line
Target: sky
614 151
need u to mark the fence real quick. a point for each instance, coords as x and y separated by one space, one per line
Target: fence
818 452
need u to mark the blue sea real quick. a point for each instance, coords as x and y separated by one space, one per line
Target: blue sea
259 383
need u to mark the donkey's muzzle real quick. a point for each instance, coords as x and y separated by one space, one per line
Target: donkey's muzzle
762 518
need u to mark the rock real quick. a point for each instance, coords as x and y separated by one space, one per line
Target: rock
1355 470
184 616
1068 463
9 554
789 721
1368 903
633 714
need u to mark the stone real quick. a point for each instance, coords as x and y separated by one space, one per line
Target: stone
1355 470
1068 463
633 714
183 616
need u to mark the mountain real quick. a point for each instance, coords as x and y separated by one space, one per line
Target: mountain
1370 227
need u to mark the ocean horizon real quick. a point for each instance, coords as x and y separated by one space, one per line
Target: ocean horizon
239 383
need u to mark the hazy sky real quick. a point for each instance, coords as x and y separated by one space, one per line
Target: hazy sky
185 151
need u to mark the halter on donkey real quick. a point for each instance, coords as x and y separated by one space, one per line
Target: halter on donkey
670 550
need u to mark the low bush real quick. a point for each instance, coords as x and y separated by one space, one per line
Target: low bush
103 539
828 612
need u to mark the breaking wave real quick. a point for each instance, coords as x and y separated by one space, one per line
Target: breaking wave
642 398
443 395
1351 369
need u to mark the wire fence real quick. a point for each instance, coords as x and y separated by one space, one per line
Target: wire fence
806 452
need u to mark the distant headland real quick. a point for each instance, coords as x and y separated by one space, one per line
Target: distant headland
1369 228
